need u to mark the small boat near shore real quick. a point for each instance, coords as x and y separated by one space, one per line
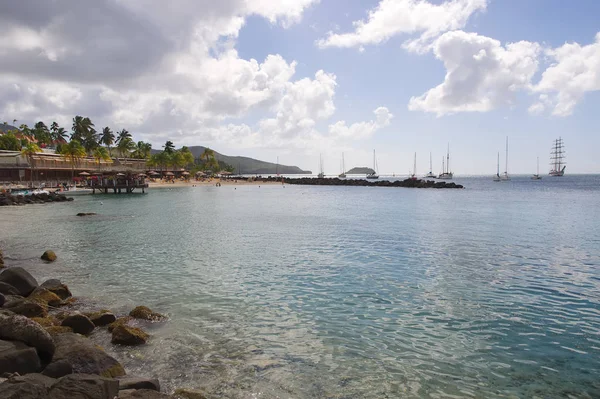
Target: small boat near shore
505 176
446 173
430 174
321 173
343 174
537 175
374 174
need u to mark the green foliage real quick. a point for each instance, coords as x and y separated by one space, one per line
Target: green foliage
107 138
29 151
101 154
10 142
123 135
126 146
73 151
169 147
142 150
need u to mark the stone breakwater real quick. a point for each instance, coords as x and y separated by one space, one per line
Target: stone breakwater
46 352
9 199
313 181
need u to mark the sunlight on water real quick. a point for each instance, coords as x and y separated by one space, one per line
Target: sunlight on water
342 292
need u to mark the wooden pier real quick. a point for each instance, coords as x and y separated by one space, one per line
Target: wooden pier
118 186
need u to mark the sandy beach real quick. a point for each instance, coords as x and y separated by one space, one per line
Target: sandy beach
208 182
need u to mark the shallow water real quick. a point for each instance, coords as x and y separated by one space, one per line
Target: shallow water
342 292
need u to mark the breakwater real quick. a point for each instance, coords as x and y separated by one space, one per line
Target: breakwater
411 183
10 199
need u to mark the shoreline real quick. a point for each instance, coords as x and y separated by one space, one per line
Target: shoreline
45 347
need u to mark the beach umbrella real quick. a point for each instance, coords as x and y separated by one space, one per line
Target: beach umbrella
200 173
169 174
226 173
154 173
120 174
84 174
185 173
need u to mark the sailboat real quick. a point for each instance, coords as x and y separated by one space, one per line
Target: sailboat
505 176
556 158
537 175
374 174
497 177
430 175
343 174
277 167
413 176
321 173
446 174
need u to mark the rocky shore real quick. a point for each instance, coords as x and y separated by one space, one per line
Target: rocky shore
314 181
45 352
9 199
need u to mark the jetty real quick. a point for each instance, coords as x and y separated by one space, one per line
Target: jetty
411 183
118 184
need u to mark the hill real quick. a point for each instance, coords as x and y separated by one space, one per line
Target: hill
360 170
249 166
6 128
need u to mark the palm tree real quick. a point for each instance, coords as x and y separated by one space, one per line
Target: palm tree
142 150
101 154
29 151
61 135
41 133
169 147
207 155
81 128
126 146
73 151
107 138
188 157
123 135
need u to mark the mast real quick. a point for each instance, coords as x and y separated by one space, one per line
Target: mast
343 164
430 171
538 165
415 166
557 156
506 164
498 169
448 159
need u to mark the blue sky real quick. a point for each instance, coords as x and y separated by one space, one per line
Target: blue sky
186 72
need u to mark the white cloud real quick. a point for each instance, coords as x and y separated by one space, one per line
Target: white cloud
481 74
361 130
575 72
396 17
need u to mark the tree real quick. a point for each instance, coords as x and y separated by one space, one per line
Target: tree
123 135
207 155
177 160
10 142
81 128
188 157
101 154
61 135
126 146
210 162
26 131
42 133
107 138
29 151
142 150
169 147
160 159
73 151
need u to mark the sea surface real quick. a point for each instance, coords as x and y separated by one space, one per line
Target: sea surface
341 292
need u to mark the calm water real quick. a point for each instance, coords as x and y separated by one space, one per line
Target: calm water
342 292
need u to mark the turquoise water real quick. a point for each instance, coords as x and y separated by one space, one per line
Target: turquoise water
342 292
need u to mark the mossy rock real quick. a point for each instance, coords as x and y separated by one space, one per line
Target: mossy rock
125 335
45 321
1 260
55 330
49 256
145 313
115 371
44 297
101 319
27 308
121 321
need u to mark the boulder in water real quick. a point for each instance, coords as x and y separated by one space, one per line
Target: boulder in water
49 256
121 321
27 308
58 369
142 394
145 313
184 393
57 287
84 386
84 356
8 289
20 328
20 279
102 318
125 335
31 386
17 357
79 323
2 300
44 297
86 214
133 382
1 259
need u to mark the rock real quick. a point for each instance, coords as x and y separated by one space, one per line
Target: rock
142 394
121 321
20 328
102 318
84 356
125 335
36 379
79 323
49 256
55 330
184 393
8 289
43 296
12 298
132 382
58 369
86 214
20 279
58 288
1 259
44 321
27 308
23 390
84 386
2 300
16 357
145 313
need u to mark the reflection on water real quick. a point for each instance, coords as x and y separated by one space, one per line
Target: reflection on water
342 292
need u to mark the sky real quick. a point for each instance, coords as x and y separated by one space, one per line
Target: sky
298 79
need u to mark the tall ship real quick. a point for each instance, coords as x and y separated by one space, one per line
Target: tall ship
557 156
446 173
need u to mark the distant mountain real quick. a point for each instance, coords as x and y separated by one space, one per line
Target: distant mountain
6 128
249 166
361 170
